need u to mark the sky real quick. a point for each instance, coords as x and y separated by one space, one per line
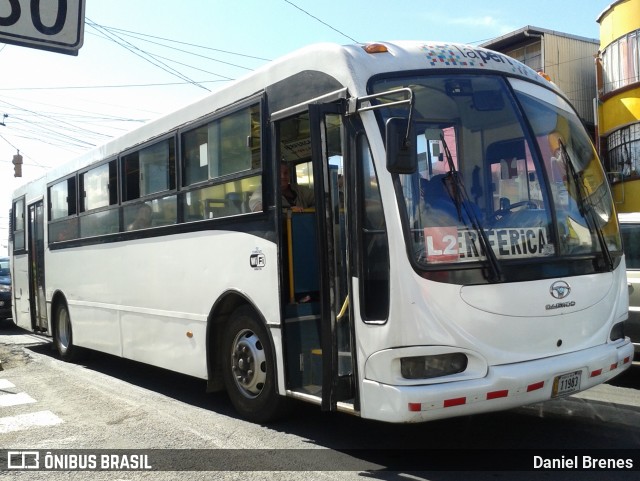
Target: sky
144 58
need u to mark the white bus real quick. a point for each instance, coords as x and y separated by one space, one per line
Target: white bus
460 252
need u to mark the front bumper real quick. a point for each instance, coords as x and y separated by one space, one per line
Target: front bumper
504 387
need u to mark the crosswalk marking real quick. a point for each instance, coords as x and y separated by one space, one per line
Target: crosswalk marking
26 421
22 421
15 399
6 384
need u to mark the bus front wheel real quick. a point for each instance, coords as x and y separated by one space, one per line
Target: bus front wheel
249 368
63 334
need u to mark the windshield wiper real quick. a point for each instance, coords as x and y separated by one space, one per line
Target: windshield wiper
461 201
585 206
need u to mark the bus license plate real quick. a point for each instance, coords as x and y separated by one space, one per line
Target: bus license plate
566 384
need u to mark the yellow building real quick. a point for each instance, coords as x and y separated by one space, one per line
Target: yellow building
618 80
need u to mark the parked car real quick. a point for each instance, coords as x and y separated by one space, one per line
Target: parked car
630 230
5 289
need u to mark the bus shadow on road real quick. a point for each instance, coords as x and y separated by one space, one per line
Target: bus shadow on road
180 387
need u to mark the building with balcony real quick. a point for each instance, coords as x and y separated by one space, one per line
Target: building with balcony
618 81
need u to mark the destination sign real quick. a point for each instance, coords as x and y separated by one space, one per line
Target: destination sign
450 244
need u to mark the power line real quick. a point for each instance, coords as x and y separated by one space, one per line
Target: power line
73 87
37 164
194 68
141 53
39 115
74 112
321 21
138 35
3 138
189 53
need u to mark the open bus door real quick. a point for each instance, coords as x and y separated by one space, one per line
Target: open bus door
336 330
318 324
37 299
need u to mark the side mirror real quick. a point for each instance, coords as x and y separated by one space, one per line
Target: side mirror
402 152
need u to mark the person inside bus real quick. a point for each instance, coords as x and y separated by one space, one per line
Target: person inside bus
143 218
294 197
443 203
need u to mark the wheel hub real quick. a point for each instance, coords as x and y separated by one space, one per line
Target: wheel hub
248 363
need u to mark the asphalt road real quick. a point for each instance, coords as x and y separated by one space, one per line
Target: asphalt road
106 405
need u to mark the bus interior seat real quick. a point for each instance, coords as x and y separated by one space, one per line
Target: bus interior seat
238 201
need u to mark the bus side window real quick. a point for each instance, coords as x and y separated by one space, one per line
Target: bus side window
227 147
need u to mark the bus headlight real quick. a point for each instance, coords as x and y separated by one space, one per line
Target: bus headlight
425 367
5 288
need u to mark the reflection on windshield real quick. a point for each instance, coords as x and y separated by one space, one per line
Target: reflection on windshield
518 198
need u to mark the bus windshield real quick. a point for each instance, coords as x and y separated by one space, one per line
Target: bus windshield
503 163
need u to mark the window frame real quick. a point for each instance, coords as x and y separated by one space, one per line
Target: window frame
172 166
176 193
223 113
185 191
70 223
618 57
18 233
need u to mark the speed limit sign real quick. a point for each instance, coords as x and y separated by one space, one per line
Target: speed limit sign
55 25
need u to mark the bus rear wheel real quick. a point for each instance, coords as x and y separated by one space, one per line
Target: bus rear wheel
249 368
63 334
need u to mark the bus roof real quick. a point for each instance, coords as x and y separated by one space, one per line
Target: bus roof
350 65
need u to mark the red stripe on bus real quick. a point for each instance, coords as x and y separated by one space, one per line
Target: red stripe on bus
535 386
497 394
455 402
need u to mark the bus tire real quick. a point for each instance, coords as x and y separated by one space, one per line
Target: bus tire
249 368
63 334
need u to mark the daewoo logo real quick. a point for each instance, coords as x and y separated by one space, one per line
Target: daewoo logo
560 289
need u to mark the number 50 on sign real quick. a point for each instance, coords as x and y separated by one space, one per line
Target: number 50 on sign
55 25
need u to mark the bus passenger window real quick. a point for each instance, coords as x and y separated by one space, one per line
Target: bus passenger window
99 223
62 199
149 171
220 200
17 221
225 146
63 222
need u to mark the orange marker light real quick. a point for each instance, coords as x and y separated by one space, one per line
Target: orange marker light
375 48
544 75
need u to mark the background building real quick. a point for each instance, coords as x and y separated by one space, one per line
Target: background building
618 80
566 59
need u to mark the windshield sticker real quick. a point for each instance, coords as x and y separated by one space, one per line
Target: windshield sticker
452 55
448 244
